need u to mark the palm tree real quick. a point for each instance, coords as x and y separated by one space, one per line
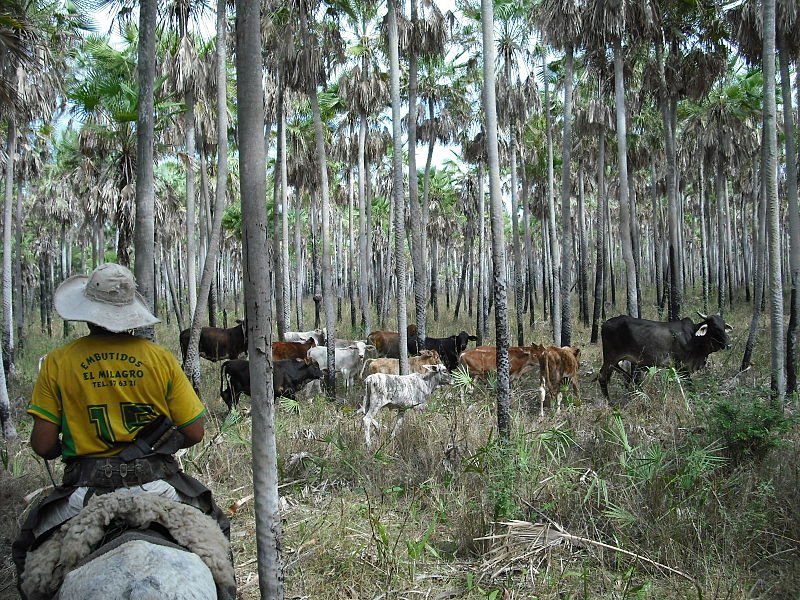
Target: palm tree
778 373
192 365
144 229
186 72
685 40
561 21
746 19
611 22
420 38
496 200
312 67
364 88
512 112
30 81
256 268
397 183
555 259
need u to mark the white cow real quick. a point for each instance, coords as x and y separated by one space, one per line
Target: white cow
400 392
303 336
347 359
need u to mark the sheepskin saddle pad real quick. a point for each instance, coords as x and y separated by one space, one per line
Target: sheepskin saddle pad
46 567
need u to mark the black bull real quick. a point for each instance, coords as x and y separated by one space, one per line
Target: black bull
644 343
288 376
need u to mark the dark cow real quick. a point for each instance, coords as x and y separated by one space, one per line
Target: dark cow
217 343
289 350
288 376
449 348
387 343
684 344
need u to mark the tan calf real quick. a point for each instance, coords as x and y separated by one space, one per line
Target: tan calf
556 365
391 366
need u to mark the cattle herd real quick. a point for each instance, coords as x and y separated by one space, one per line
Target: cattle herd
303 357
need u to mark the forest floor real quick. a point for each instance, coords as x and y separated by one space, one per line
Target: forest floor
674 490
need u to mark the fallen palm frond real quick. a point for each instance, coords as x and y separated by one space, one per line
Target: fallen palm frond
528 541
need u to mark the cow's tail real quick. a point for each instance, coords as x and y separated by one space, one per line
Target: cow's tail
222 370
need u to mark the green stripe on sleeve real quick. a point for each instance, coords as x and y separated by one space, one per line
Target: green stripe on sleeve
38 411
190 421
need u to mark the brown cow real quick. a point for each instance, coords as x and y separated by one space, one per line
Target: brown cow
391 366
556 365
290 350
217 343
483 359
387 343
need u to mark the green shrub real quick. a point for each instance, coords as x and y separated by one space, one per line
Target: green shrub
748 425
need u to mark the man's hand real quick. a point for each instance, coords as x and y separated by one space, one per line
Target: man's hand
44 439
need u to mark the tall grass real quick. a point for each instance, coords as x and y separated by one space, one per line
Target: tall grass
687 474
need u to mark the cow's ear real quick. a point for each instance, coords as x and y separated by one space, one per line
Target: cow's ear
702 330
728 327
473 338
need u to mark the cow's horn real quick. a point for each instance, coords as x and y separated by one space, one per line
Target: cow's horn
702 316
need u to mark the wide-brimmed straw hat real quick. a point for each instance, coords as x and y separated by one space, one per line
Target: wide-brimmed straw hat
107 298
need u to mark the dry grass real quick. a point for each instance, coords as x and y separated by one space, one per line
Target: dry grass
638 481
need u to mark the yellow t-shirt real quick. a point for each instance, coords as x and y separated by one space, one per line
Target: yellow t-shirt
102 389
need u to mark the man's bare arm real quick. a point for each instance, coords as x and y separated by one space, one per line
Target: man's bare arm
44 439
193 432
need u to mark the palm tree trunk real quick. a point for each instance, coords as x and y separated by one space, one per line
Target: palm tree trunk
298 262
6 422
583 267
435 276
417 240
657 237
721 260
351 294
529 250
794 223
397 175
566 189
363 264
519 284
481 298
498 243
144 236
624 200
191 211
19 314
8 300
279 202
327 259
600 242
176 301
778 375
703 238
256 266
555 257
469 236
192 363
635 248
729 265
759 277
